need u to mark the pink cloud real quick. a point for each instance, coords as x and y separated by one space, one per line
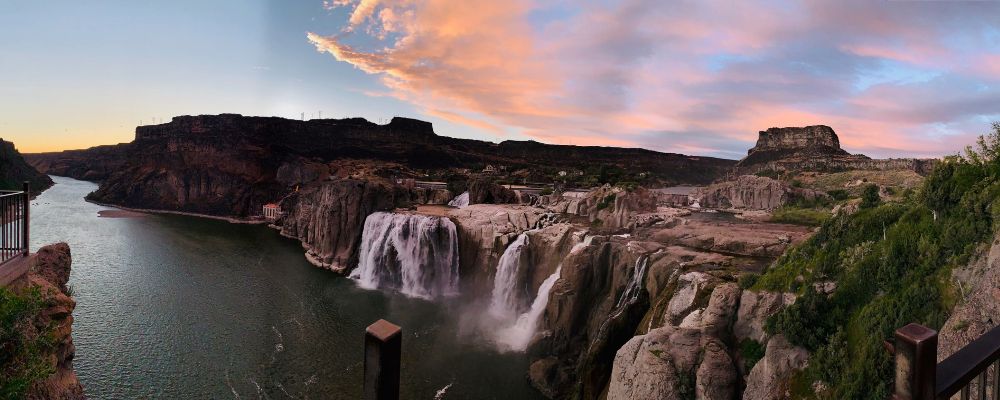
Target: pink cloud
692 76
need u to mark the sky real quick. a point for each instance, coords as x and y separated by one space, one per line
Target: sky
893 78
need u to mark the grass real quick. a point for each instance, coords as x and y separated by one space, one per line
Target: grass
800 216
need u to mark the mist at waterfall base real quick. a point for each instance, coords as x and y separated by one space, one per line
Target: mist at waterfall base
417 255
186 308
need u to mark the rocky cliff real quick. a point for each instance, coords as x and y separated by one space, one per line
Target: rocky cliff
813 148
47 277
749 192
14 171
94 164
230 165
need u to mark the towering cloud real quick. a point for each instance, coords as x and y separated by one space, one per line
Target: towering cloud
701 77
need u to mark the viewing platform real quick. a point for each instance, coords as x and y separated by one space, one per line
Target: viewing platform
14 230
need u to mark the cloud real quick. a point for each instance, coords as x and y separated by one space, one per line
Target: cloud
892 78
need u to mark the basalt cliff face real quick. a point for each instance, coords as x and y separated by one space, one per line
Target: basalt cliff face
48 274
14 171
230 165
814 148
94 164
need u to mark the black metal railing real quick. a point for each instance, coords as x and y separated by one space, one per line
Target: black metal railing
920 377
14 227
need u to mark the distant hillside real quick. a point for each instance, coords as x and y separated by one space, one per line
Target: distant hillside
14 171
228 164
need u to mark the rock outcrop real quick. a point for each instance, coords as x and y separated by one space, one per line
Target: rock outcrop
14 171
607 207
328 218
485 191
48 274
769 379
814 148
750 192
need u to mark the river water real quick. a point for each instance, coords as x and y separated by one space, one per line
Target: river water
179 307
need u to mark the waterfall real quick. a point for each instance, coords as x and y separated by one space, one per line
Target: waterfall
518 336
460 201
634 287
415 254
504 301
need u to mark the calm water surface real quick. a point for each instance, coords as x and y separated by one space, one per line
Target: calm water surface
185 308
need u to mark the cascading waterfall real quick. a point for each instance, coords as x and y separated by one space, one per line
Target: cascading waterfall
503 303
460 201
517 336
415 254
634 287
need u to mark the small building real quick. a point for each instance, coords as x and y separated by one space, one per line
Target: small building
562 173
490 169
272 211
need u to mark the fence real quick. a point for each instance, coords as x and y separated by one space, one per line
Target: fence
14 226
920 377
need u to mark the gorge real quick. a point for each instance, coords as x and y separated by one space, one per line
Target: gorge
618 290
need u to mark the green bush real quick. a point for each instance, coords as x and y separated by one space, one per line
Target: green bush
545 191
22 360
839 194
800 216
892 263
607 201
870 197
751 351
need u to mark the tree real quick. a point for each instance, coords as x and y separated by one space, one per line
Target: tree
870 197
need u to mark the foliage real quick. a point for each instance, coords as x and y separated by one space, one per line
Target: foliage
607 201
839 194
800 216
545 191
769 173
892 263
747 280
870 197
751 351
22 360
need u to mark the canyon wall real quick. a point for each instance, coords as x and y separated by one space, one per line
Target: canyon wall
14 171
231 165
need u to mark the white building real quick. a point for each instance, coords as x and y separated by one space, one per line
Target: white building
272 211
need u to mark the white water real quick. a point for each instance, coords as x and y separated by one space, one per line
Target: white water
634 287
503 303
516 337
460 201
415 254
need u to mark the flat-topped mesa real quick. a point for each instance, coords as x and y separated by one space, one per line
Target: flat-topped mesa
274 128
814 148
816 138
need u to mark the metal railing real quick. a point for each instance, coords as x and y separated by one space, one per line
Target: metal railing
920 377
14 223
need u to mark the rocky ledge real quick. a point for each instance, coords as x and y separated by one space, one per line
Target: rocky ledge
48 274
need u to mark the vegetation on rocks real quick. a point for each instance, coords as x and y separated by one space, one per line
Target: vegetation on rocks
892 263
22 349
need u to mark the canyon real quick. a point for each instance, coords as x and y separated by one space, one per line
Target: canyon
613 292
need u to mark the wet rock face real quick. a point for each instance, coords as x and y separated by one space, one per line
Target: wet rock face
49 272
329 218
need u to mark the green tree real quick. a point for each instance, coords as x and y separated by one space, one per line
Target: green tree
870 197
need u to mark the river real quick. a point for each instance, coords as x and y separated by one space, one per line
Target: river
180 307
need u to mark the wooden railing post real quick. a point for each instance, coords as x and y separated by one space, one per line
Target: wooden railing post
916 363
383 348
25 220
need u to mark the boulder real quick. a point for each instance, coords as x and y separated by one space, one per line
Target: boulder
769 378
755 308
716 378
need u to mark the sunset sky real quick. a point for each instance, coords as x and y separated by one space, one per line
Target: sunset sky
893 78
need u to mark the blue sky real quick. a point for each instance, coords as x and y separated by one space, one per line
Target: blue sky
893 78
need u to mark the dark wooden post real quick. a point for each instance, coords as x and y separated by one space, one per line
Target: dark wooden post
26 221
916 363
383 347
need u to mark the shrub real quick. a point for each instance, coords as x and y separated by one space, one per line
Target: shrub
22 349
839 194
870 197
800 216
751 351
